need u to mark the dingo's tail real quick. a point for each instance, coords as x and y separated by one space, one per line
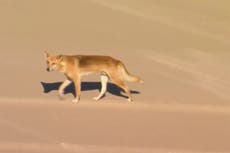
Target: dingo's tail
126 75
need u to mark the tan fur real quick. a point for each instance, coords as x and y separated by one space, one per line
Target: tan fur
78 65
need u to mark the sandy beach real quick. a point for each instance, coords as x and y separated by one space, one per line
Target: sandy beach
179 48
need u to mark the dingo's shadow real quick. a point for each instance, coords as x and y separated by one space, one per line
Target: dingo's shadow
85 86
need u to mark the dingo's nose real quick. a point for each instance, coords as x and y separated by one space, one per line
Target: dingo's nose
47 69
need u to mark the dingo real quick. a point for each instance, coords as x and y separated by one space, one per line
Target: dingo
78 65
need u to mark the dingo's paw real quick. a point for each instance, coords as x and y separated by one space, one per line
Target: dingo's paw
130 99
76 100
96 98
61 96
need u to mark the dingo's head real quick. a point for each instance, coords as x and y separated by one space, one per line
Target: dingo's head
53 61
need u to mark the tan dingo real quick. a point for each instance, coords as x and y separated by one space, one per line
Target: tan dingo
78 65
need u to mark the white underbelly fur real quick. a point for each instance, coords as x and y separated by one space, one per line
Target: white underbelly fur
85 73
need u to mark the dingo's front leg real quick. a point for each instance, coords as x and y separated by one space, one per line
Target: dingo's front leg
62 87
77 84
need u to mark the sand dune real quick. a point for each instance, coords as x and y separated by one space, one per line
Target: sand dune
179 48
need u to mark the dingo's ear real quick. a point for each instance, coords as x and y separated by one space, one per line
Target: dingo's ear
59 57
46 54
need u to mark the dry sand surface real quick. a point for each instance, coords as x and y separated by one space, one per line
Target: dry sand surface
181 49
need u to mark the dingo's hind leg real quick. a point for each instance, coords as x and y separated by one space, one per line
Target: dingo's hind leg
104 80
120 83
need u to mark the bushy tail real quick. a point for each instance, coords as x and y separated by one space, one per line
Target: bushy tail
126 75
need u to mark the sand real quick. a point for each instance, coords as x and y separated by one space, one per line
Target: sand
179 48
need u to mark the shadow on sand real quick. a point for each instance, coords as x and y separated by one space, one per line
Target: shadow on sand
85 86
